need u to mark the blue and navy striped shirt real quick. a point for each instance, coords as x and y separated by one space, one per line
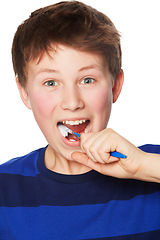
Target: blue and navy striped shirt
36 203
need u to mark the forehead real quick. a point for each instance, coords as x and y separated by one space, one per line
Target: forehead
63 58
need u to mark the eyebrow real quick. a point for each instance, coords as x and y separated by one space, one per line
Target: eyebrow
93 66
48 70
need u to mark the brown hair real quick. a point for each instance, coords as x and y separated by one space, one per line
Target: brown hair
71 23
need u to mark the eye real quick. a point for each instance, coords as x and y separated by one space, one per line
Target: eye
51 83
87 80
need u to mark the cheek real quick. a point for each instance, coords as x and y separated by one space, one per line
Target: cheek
101 107
101 101
42 107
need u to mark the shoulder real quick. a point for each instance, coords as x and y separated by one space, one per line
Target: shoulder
150 148
25 165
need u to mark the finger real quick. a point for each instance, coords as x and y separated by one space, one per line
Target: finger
85 160
105 156
110 169
91 144
88 153
86 145
87 139
92 153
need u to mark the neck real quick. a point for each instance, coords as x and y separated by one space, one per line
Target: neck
57 163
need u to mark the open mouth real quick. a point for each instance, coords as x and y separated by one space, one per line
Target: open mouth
67 128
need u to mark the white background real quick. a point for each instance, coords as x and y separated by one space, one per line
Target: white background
135 115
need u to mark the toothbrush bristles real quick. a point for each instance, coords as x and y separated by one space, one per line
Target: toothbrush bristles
65 131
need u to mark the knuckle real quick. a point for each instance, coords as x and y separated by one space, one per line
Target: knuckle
104 156
92 149
110 131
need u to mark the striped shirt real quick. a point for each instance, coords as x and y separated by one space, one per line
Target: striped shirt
38 204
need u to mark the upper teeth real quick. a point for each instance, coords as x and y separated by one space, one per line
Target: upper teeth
77 122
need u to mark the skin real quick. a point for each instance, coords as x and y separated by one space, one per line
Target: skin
138 164
57 90
67 84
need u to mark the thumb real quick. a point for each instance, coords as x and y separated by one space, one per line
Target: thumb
85 160
80 157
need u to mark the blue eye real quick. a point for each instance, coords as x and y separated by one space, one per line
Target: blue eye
51 83
87 80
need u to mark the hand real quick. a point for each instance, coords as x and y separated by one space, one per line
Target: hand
96 148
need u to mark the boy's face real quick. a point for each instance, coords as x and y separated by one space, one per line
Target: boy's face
69 85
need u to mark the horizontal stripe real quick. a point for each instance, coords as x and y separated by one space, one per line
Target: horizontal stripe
150 148
17 190
26 165
116 218
151 235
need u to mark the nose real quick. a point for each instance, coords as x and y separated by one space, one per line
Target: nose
72 99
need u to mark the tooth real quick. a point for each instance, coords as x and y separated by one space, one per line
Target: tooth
86 130
77 122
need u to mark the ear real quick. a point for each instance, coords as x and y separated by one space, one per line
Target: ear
117 87
23 94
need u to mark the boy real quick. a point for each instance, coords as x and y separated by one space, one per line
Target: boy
67 61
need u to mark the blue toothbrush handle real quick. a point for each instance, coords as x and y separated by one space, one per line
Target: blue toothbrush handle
77 134
117 154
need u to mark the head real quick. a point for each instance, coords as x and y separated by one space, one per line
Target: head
67 58
70 23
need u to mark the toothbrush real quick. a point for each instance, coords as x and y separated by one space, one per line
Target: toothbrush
65 130
113 154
